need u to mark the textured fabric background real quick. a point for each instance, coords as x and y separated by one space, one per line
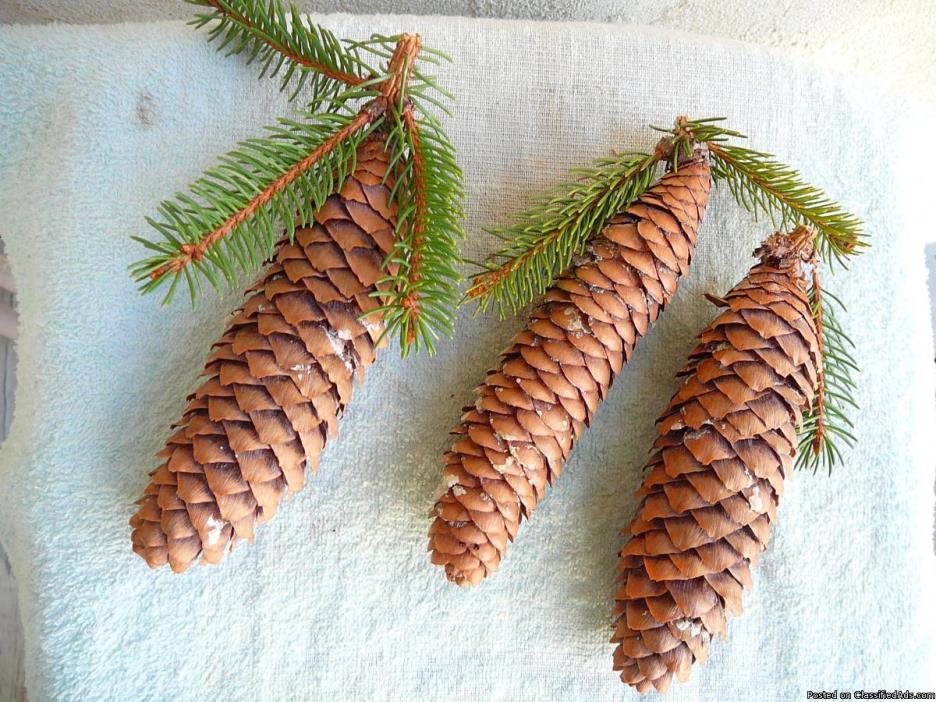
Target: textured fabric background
336 599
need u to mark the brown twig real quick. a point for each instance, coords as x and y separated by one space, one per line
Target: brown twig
485 282
195 252
820 401
398 68
341 76
411 301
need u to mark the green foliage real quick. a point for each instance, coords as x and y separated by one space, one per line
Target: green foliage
231 218
543 241
429 196
229 187
426 261
286 45
765 186
826 426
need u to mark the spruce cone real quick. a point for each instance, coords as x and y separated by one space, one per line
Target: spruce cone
529 411
726 441
278 380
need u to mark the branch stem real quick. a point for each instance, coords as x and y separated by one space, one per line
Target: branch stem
195 252
340 76
399 69
400 66
411 301
820 401
485 282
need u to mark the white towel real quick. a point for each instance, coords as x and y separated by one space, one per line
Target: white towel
336 598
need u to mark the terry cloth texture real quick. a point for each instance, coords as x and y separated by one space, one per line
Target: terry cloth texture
336 599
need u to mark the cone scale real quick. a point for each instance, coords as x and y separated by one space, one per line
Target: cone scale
278 380
513 441
725 444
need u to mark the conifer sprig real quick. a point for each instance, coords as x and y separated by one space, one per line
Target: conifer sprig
419 300
765 186
543 241
228 219
424 292
232 217
286 45
826 425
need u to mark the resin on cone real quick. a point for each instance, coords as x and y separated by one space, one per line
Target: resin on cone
725 444
512 443
277 382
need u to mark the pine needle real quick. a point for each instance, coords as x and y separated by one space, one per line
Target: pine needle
305 57
231 218
238 206
544 240
827 426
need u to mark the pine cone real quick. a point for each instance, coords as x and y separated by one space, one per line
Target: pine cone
278 380
530 410
726 441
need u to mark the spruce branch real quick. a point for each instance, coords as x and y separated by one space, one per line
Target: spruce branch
826 425
284 44
544 240
424 292
763 185
420 297
279 178
231 217
334 153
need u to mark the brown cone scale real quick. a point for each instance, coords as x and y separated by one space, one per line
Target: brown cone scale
725 444
512 443
278 380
